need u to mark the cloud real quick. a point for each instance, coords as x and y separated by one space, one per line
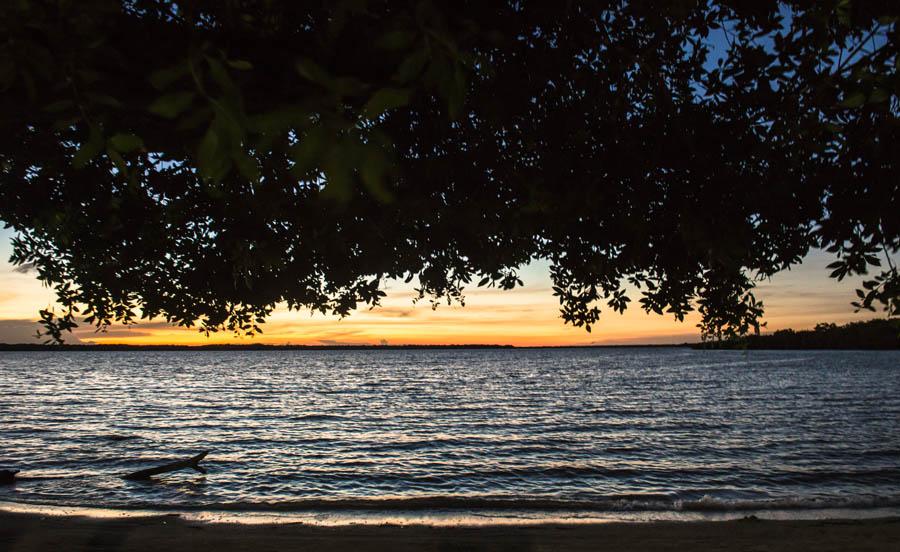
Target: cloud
666 339
89 333
25 268
335 342
337 334
24 331
347 336
395 312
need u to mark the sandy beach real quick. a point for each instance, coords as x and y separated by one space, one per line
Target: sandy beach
31 532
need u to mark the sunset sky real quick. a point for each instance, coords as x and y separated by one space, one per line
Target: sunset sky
526 316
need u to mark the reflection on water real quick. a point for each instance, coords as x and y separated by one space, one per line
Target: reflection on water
480 430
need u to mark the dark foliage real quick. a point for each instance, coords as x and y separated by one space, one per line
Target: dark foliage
207 160
872 334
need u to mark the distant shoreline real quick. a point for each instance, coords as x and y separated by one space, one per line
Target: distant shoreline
265 347
755 346
875 334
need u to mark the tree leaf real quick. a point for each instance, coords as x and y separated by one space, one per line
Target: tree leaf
126 142
221 77
339 179
311 71
210 160
879 95
164 77
61 105
411 67
104 99
89 149
171 105
373 173
854 100
240 64
385 99
246 165
308 152
396 40
117 159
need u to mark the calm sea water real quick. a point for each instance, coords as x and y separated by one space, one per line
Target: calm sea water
565 429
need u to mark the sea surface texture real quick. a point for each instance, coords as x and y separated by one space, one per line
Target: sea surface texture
655 429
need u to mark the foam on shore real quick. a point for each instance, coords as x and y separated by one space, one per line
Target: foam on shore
446 518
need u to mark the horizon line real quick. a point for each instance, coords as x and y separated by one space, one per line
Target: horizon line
264 346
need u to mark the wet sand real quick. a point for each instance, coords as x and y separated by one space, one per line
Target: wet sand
31 532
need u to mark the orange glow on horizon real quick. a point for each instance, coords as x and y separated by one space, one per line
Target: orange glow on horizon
524 325
527 316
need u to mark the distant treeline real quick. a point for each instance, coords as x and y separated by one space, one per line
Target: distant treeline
248 347
264 347
872 334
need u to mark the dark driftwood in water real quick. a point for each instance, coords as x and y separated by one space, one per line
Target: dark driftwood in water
8 476
193 463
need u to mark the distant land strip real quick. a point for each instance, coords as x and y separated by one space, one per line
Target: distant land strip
878 333
273 347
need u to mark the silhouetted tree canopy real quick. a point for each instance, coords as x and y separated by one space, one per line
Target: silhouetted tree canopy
207 160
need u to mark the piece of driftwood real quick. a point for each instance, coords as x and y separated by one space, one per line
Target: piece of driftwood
8 476
193 463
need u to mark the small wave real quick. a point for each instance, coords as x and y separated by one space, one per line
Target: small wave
885 474
887 453
318 418
476 504
117 437
708 503
640 503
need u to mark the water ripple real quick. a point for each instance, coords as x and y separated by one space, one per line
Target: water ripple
635 429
